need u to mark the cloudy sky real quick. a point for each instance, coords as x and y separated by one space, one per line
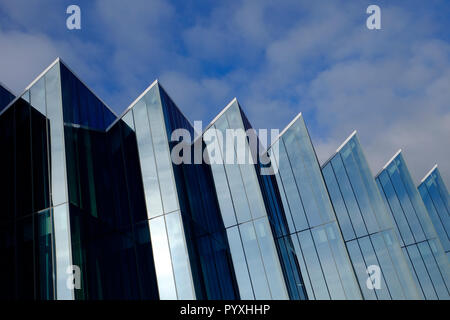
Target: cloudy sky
278 58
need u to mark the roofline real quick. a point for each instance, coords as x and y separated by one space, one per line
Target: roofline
339 148
221 113
132 104
388 163
30 85
429 172
298 116
92 91
58 59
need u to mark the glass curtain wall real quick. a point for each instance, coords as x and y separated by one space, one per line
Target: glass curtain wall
435 196
250 206
191 252
365 224
418 238
5 97
326 268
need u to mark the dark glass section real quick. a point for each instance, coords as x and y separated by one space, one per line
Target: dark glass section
80 105
106 205
25 227
206 240
5 98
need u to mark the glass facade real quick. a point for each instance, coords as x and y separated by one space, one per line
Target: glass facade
418 238
74 210
263 256
312 224
191 251
95 206
435 196
366 226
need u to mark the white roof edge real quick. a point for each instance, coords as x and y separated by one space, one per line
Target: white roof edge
30 85
298 116
345 141
392 158
338 149
223 111
429 172
132 104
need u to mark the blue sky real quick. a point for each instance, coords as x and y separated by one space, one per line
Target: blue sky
278 58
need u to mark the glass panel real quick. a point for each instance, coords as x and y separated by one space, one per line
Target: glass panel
162 154
256 267
270 259
180 259
147 160
63 253
240 264
163 262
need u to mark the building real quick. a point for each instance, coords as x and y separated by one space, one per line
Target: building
250 204
312 224
99 206
366 226
418 238
435 196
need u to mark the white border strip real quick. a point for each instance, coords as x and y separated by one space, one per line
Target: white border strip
429 172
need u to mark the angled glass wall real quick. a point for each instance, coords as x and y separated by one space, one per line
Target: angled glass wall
365 224
326 268
5 97
250 205
418 238
191 252
75 201
435 196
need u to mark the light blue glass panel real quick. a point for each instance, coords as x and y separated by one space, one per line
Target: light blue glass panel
399 261
313 264
128 119
413 273
240 264
371 259
405 202
63 254
55 115
221 183
414 196
441 260
327 262
380 211
339 206
433 270
162 258
292 193
402 226
303 268
439 220
180 258
343 264
254 261
442 189
147 160
37 96
388 268
421 272
355 173
253 191
162 153
270 258
348 196
360 269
